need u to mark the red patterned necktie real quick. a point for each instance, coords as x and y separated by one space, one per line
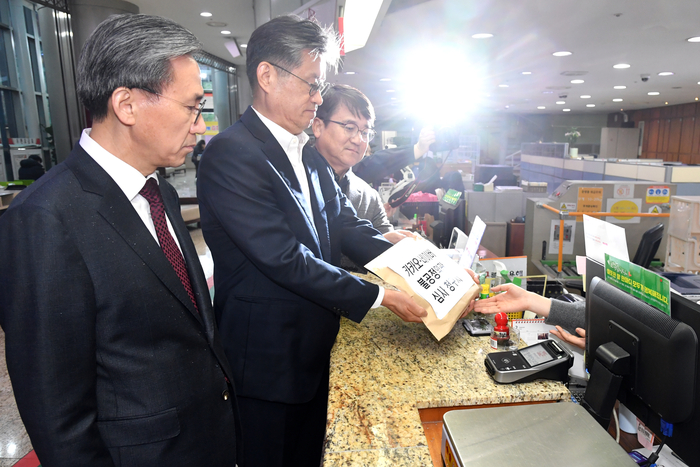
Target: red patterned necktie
151 192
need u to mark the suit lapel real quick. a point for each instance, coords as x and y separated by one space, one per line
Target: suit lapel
280 162
117 210
318 202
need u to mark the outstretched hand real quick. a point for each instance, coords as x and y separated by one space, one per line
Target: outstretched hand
512 300
570 338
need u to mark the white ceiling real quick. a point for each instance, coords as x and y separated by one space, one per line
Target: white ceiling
650 35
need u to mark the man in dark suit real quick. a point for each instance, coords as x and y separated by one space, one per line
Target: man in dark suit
111 340
276 223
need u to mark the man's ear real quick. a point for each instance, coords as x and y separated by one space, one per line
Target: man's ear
267 77
318 126
123 104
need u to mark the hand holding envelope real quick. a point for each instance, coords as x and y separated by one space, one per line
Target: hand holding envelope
434 281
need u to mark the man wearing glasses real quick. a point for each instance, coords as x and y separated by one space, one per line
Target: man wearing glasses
276 223
110 335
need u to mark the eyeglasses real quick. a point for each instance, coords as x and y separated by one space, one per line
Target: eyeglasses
195 109
351 130
319 86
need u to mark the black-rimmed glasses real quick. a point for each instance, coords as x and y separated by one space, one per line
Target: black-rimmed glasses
319 86
194 109
351 130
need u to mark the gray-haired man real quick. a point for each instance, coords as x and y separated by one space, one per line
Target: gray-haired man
110 337
276 223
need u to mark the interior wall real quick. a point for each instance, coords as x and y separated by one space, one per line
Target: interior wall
671 132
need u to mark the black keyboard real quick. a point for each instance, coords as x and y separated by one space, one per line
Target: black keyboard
577 393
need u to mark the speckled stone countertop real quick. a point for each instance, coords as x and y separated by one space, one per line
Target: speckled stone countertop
383 370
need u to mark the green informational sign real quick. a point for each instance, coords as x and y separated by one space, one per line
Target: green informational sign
452 196
639 282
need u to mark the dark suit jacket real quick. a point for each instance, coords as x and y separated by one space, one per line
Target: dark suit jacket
279 295
109 360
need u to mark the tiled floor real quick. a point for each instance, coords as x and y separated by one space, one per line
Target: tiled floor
14 442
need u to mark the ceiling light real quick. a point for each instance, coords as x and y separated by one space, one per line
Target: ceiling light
696 98
577 81
541 107
621 66
349 72
552 92
206 14
527 72
390 90
566 110
216 24
563 53
619 87
653 93
694 39
483 35
243 46
225 32
232 48
585 96
617 100
560 102
502 85
590 105
666 73
385 79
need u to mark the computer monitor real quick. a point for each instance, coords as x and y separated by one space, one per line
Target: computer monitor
661 381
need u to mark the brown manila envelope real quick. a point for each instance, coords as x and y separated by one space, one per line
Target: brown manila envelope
431 278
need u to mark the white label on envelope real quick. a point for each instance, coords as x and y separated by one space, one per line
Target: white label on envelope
430 273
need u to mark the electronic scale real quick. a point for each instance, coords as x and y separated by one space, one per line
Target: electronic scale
544 360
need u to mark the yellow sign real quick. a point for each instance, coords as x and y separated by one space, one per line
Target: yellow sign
624 206
212 128
658 194
590 199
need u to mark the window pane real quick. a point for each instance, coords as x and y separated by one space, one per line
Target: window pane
28 21
35 64
4 69
8 108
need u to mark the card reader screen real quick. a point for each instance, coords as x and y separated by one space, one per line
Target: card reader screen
536 355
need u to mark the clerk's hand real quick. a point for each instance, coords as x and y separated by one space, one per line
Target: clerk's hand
395 236
579 342
403 306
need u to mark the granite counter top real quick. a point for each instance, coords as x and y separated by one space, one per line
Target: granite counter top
383 370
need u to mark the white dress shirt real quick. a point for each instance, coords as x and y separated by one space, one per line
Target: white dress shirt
293 146
129 180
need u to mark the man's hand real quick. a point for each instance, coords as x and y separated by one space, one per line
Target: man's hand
395 236
426 138
570 338
403 306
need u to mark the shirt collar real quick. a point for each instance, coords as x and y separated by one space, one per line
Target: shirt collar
287 140
125 176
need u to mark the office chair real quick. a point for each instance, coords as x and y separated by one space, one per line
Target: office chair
648 246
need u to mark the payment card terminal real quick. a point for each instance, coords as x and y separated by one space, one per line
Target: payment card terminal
544 360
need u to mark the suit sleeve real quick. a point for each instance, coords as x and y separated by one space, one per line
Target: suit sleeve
246 196
373 169
48 313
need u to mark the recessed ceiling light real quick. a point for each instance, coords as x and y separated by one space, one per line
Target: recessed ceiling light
206 14
216 24
585 96
621 66
502 85
694 39
666 73
385 79
666 103
619 87
482 35
225 32
563 53
243 46
653 93
577 81
541 107
696 98
617 100
349 72
527 72
507 107
566 110
590 105
552 92
390 90
561 102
